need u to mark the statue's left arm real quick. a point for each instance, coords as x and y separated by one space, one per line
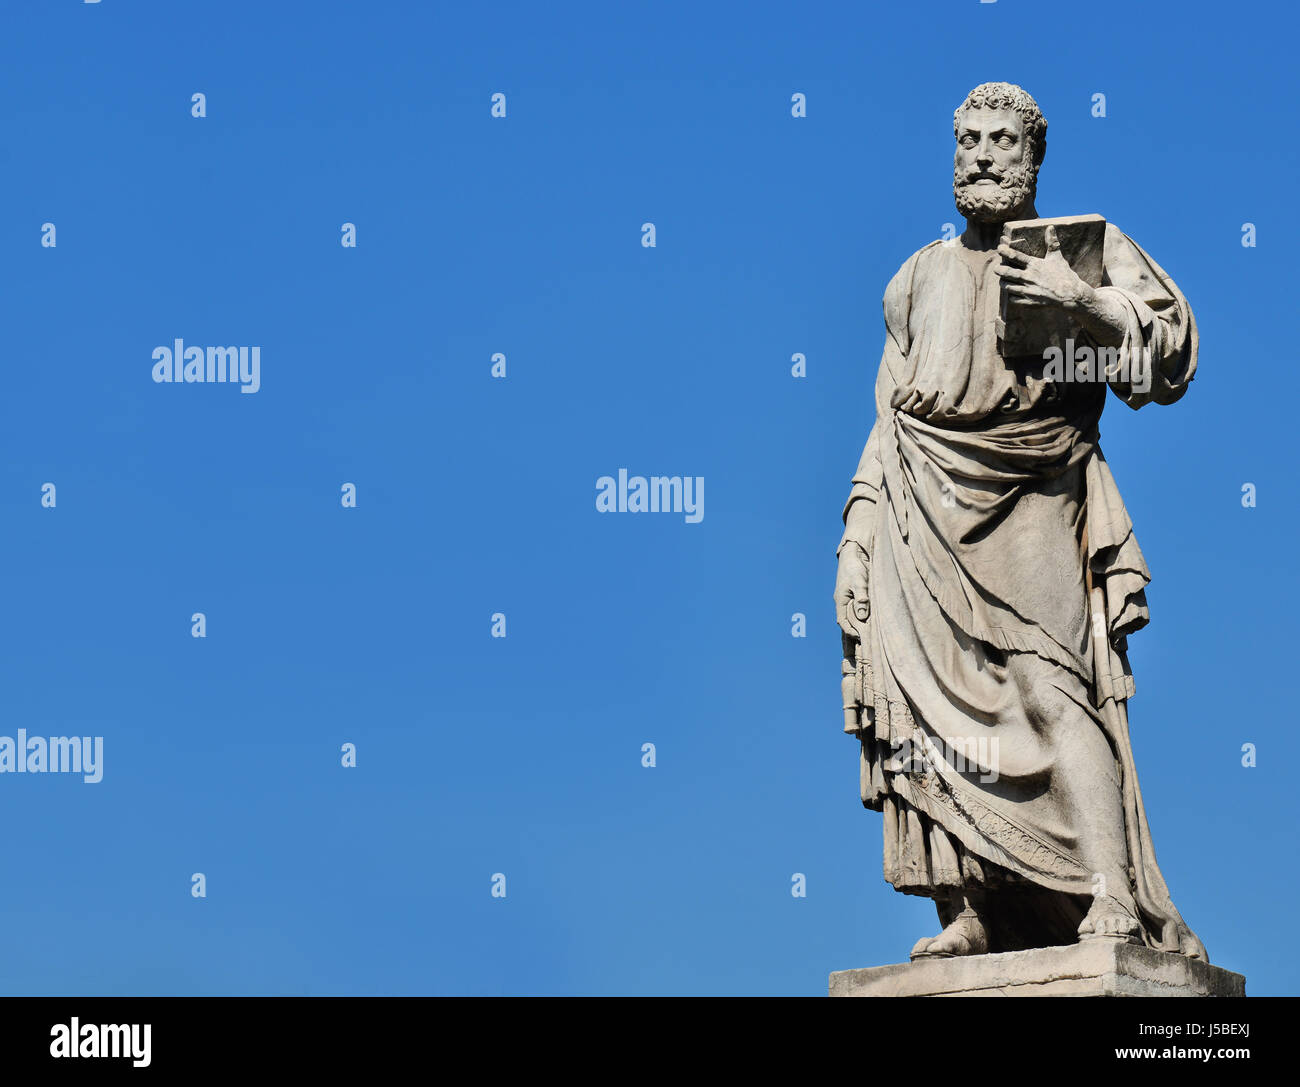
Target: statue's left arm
1137 313
1140 311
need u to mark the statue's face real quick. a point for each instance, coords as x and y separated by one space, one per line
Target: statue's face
993 172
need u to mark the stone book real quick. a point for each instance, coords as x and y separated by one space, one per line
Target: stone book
1024 330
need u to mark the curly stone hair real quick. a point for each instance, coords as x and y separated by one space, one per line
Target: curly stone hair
1009 96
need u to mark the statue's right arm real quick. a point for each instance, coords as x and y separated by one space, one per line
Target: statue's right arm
854 551
860 510
859 514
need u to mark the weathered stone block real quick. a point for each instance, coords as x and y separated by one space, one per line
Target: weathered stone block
1091 968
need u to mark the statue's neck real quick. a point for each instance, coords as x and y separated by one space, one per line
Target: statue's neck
984 236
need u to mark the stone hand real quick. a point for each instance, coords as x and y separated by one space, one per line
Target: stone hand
1042 281
852 605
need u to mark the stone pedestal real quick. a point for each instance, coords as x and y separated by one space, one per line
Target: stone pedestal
1091 968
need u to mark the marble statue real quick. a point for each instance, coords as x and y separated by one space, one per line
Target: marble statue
988 573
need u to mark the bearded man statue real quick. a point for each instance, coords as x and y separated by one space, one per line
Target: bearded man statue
989 575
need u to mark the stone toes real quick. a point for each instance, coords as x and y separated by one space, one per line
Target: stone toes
1108 923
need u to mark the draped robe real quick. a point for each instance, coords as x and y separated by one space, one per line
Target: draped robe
993 528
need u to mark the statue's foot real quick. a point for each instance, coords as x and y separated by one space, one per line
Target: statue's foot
1111 918
965 936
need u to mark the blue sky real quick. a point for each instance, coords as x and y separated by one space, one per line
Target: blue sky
522 236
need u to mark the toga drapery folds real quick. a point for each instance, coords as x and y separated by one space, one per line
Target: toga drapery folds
991 675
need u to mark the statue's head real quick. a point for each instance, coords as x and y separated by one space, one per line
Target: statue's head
1001 139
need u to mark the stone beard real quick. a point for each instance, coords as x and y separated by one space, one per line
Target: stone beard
1016 189
989 578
